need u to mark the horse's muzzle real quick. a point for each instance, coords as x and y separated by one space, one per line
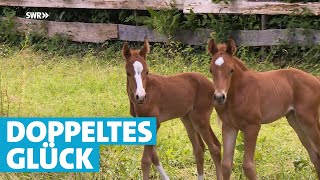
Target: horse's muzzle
141 99
220 98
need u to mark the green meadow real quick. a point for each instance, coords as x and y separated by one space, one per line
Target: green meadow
93 84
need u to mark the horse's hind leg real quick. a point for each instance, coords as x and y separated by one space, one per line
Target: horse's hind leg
197 145
201 122
308 135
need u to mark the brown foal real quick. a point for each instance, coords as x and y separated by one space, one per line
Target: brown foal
186 95
245 99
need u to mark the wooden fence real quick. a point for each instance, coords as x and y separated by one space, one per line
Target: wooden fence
251 7
197 6
99 32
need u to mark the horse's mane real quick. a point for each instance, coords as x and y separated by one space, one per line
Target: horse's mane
240 64
134 51
223 48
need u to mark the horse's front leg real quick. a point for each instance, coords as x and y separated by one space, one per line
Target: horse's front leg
229 136
150 155
250 139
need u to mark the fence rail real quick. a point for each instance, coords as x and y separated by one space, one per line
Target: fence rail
76 31
250 7
197 6
97 4
98 33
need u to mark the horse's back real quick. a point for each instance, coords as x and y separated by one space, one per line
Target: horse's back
282 90
195 79
188 91
199 79
302 80
201 84
298 81
306 87
295 77
204 90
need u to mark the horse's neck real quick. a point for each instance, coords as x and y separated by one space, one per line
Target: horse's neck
153 80
240 70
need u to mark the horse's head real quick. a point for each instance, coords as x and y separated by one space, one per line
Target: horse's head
222 68
137 70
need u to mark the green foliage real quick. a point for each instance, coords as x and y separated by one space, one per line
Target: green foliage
164 22
304 21
7 31
219 1
224 25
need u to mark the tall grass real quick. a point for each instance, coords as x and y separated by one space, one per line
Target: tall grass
42 84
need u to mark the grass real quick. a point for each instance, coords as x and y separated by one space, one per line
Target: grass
42 84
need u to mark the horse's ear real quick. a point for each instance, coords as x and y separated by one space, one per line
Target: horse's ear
231 46
145 49
212 47
126 51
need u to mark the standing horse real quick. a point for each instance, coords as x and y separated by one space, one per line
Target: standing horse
245 99
186 95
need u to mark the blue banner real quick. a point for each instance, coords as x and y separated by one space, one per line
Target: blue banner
67 144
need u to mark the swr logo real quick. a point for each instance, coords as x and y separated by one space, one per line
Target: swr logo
37 15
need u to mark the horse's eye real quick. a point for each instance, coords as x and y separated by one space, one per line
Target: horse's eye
231 71
147 72
210 70
128 74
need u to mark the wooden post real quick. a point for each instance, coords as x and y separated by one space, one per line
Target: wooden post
263 27
135 14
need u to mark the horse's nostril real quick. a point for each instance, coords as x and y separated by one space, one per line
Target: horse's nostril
219 97
137 97
145 96
215 97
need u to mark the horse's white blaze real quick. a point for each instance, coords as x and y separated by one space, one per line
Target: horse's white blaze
200 177
163 173
138 68
219 61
